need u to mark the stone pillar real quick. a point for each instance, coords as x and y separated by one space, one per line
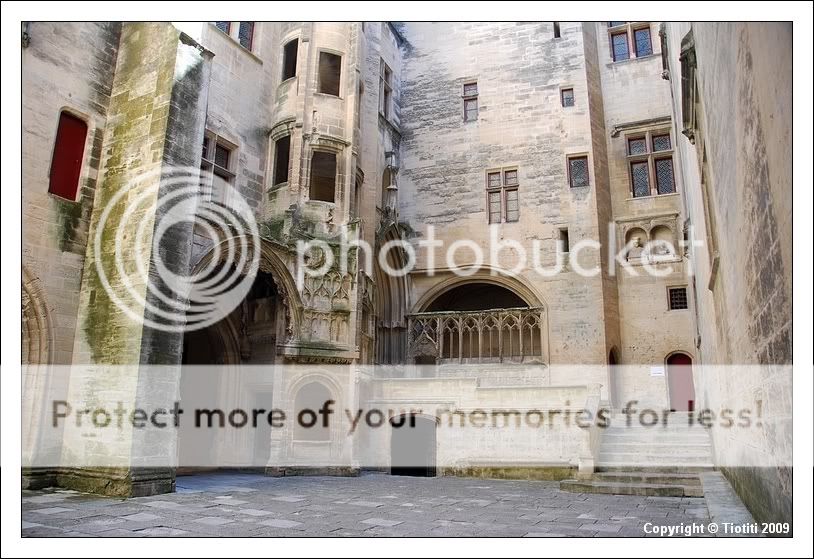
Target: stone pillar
155 122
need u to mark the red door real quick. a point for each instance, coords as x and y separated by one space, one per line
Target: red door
679 381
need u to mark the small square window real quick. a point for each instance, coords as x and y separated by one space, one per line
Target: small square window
578 171
636 146
470 89
224 26
567 97
678 298
493 180
510 178
661 142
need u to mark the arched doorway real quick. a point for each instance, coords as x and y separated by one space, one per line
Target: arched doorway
680 383
412 445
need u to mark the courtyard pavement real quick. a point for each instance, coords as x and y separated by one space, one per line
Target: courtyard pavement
240 504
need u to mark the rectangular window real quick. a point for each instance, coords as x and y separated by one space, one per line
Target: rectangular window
556 29
224 26
678 298
323 176
636 146
282 148
661 142
66 161
494 207
470 97
664 176
620 47
578 171
290 59
330 68
640 176
502 196
642 39
567 97
385 89
564 241
651 164
616 23
217 164
245 35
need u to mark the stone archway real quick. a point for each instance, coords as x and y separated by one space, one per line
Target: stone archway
680 386
390 301
36 322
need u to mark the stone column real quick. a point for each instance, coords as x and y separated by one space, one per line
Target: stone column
156 122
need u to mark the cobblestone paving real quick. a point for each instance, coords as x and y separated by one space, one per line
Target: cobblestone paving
228 504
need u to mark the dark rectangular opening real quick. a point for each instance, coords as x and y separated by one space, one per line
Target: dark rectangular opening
564 242
282 148
556 29
323 176
290 59
245 34
330 68
66 163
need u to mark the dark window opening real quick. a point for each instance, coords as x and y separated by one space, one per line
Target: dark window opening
66 163
567 97
290 60
578 171
224 26
323 176
330 68
640 176
476 296
556 29
678 298
245 34
564 242
281 156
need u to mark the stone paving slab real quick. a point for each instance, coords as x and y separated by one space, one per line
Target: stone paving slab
371 505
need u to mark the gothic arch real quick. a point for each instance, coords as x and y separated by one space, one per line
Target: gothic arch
485 275
37 330
272 261
390 301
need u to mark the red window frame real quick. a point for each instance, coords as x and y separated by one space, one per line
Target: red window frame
68 156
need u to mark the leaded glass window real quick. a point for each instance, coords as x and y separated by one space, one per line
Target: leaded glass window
636 146
245 34
223 26
640 176
661 142
578 171
620 47
644 46
664 176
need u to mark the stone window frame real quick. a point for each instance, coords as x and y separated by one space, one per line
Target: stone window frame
470 97
209 166
342 72
337 147
502 190
650 157
385 90
570 88
670 289
579 155
295 37
629 28
233 32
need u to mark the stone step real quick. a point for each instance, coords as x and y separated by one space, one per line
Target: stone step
666 478
665 466
611 467
640 489
665 449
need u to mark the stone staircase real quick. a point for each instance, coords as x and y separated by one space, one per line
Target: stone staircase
661 460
